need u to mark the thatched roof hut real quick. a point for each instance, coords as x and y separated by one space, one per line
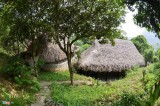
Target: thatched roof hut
108 58
53 54
54 58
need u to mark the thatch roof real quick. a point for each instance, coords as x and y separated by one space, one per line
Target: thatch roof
53 54
108 58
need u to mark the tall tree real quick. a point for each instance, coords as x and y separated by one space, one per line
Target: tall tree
148 15
26 22
72 20
144 47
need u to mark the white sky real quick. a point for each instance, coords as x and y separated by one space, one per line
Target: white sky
132 30
129 27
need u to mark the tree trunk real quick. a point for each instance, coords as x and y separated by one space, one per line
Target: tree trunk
34 50
69 58
35 66
70 68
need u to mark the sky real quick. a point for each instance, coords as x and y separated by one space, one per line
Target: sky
132 30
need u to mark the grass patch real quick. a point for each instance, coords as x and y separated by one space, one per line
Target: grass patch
59 76
77 95
97 94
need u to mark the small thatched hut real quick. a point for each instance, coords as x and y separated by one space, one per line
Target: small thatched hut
107 58
54 58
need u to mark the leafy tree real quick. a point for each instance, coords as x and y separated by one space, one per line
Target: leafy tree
149 55
26 23
144 47
74 20
148 15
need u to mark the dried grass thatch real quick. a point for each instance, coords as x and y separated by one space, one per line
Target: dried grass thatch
108 58
53 54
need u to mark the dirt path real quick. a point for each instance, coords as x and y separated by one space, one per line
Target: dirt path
43 97
77 82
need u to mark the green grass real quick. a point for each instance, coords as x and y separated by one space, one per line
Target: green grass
59 76
76 95
85 95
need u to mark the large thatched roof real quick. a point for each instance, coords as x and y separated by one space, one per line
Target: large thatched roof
105 57
52 54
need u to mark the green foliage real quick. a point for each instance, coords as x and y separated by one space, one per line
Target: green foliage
152 85
3 60
24 21
144 48
136 68
132 70
155 59
141 43
148 14
149 82
86 19
158 53
128 99
20 92
83 41
17 71
40 63
148 55
22 99
30 85
15 67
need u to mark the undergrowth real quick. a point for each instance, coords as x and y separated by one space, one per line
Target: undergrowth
17 85
99 94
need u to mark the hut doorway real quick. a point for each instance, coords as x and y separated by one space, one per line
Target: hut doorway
104 76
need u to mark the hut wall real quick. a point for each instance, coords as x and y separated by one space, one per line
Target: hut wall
55 67
62 66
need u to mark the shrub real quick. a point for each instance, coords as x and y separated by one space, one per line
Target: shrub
156 66
128 99
155 58
40 63
30 85
21 74
3 59
14 67
152 85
